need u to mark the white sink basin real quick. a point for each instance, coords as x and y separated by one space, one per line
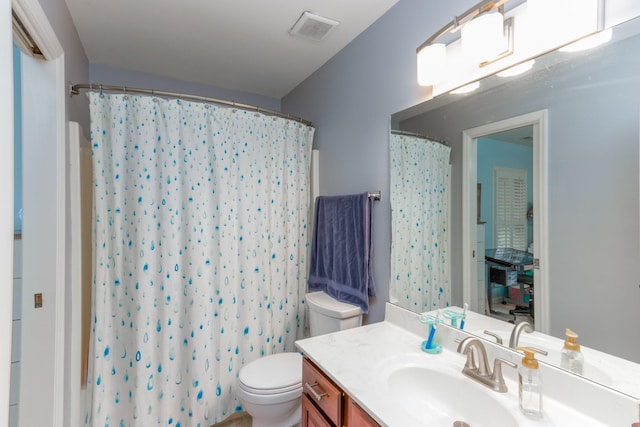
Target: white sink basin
437 395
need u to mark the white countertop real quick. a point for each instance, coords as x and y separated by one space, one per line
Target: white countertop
354 359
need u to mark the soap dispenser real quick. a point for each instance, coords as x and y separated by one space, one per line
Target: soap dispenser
530 384
572 358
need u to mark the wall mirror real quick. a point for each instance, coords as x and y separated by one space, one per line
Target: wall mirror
585 230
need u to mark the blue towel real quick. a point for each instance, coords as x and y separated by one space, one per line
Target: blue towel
341 250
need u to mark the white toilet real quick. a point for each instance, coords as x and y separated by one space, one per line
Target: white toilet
271 387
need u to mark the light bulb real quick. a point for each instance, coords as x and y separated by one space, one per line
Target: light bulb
483 38
431 64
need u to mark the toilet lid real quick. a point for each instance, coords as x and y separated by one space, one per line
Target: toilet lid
276 372
324 304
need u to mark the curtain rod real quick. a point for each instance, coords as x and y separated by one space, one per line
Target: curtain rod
75 90
418 135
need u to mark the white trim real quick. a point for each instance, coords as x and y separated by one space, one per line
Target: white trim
35 21
6 207
540 222
538 120
61 186
75 273
469 221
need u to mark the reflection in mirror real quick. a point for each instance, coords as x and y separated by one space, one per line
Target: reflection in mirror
592 102
419 184
504 225
605 369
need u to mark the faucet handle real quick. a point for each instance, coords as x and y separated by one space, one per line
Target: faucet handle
496 377
538 350
496 336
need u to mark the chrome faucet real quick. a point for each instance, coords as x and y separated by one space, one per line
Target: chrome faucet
482 372
517 330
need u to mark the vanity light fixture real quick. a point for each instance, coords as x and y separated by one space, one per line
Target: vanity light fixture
432 61
475 44
485 38
517 69
565 20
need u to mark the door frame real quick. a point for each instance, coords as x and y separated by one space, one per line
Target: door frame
34 19
539 121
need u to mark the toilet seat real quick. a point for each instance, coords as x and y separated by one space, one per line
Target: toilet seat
274 374
269 399
265 392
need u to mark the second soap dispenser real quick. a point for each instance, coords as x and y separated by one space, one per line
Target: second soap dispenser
530 384
571 357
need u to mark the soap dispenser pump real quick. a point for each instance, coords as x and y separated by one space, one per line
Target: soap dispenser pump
571 357
530 384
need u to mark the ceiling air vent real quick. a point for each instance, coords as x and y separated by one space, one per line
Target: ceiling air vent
313 27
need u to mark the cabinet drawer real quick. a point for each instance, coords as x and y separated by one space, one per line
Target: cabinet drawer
311 416
322 391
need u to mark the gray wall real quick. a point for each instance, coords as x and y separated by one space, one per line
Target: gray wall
104 74
75 61
350 99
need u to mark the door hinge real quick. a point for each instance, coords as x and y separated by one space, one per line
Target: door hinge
536 263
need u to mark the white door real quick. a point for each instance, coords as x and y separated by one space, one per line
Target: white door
40 241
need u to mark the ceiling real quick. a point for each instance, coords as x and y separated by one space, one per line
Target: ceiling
241 45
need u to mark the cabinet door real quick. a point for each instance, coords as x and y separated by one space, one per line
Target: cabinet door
357 417
311 417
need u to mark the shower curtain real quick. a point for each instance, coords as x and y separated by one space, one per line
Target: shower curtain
200 240
420 198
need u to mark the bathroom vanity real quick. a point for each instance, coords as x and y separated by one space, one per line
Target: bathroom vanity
324 404
379 376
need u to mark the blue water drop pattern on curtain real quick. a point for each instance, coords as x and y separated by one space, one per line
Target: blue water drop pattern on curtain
420 197
201 237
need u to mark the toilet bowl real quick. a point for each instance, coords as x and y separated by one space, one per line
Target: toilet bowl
270 388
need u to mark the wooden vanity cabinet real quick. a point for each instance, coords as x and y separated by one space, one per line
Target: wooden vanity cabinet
324 404
356 416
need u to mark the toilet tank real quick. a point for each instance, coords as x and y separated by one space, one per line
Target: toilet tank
327 314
